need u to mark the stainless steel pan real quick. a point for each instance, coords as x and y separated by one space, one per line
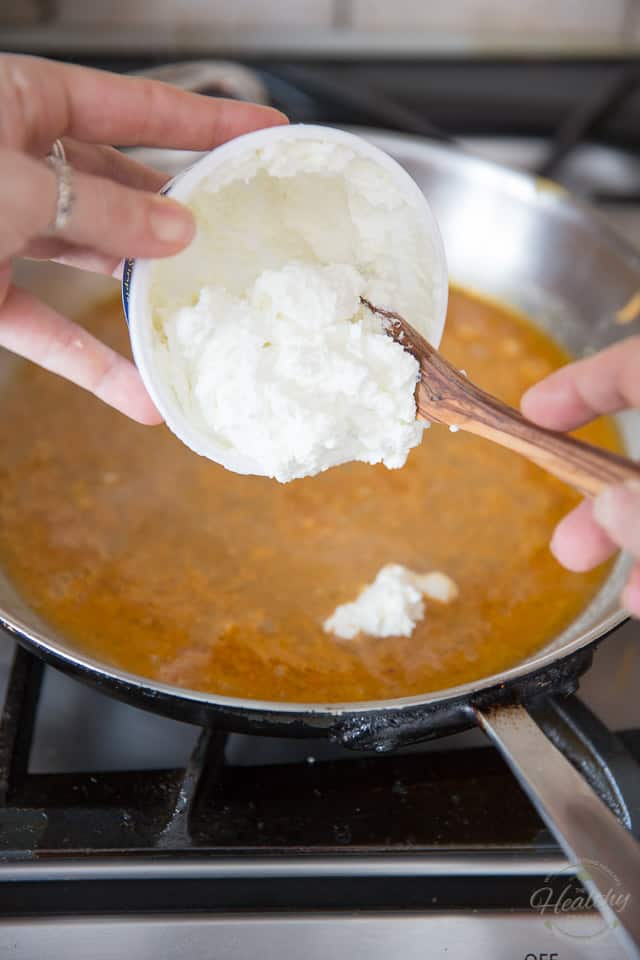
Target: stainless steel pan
520 240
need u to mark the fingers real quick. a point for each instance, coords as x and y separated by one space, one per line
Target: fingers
604 383
579 543
101 161
43 100
35 331
596 529
107 217
71 256
617 511
120 221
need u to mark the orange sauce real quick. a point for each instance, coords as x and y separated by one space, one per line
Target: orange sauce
160 562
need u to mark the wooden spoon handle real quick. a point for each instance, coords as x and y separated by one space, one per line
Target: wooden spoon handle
587 468
445 395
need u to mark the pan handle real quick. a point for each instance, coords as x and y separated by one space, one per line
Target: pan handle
582 824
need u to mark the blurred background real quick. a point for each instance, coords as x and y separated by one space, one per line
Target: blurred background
330 27
545 81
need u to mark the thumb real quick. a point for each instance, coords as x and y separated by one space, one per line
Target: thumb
617 510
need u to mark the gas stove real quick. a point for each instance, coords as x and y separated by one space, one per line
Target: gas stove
235 844
125 833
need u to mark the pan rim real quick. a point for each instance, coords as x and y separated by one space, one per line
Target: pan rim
530 186
76 661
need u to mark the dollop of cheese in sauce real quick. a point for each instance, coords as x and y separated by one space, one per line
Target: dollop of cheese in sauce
392 605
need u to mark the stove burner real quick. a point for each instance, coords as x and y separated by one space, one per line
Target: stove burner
439 802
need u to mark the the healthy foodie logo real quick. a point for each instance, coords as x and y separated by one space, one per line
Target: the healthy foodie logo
563 897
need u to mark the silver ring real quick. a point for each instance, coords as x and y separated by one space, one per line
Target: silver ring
65 196
57 151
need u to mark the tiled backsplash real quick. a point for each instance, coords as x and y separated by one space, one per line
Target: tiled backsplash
221 14
360 25
600 18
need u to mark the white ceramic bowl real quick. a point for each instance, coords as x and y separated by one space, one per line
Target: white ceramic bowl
136 284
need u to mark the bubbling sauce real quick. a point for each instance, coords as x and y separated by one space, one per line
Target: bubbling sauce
159 562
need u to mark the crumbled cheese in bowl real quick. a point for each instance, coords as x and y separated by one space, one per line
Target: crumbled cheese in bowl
392 605
315 382
253 342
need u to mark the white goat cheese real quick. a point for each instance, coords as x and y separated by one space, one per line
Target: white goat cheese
392 605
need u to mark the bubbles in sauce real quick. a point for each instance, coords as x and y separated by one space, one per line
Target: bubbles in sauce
160 562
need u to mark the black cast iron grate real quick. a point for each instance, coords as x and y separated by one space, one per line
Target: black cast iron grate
444 800
406 831
369 802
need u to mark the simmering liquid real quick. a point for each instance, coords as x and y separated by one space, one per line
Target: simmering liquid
160 562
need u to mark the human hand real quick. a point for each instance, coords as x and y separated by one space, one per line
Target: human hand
605 383
116 212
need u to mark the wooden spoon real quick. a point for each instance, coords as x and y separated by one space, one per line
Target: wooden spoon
445 395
